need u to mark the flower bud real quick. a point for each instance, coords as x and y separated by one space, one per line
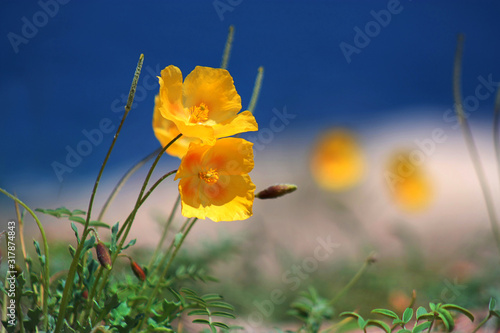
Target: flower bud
103 255
276 191
138 271
85 294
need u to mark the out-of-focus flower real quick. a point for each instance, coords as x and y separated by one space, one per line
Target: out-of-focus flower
337 161
410 186
214 180
399 300
165 131
205 106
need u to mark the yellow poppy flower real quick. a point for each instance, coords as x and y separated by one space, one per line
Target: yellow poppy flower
205 106
165 131
214 180
406 178
337 161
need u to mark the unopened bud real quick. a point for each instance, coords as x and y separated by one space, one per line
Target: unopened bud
103 255
138 271
276 191
85 294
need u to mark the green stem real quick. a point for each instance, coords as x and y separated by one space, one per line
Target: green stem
72 270
256 89
368 261
46 269
164 233
482 323
469 140
227 48
128 222
123 180
163 273
430 327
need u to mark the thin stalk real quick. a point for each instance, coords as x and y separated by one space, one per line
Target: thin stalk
123 180
496 130
125 228
482 323
256 89
163 273
46 271
469 140
21 237
227 48
368 261
72 270
164 233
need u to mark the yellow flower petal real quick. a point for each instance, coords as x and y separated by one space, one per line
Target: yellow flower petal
337 161
214 180
410 187
215 88
205 106
165 131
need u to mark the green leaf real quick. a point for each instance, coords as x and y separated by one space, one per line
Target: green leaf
407 315
492 304
404 330
432 306
222 305
201 321
361 323
37 248
73 226
380 324
211 297
495 313
350 314
78 212
132 242
221 325
385 312
89 243
421 327
447 319
98 224
78 219
223 314
420 312
199 313
459 309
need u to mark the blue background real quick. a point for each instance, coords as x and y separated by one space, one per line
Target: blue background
68 76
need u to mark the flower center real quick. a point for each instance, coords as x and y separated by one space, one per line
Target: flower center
210 177
199 114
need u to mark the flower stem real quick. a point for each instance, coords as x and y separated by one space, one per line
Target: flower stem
227 48
469 140
482 323
123 180
164 233
163 273
72 270
368 261
256 89
46 270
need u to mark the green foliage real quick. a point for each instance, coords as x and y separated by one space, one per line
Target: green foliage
311 309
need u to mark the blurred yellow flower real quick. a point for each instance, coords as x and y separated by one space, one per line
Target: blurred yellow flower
205 106
337 161
406 178
214 180
165 131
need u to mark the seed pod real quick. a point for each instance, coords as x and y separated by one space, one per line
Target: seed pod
138 271
103 255
276 191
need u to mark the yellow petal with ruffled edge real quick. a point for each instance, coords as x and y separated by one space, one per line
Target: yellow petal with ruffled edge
214 182
165 131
